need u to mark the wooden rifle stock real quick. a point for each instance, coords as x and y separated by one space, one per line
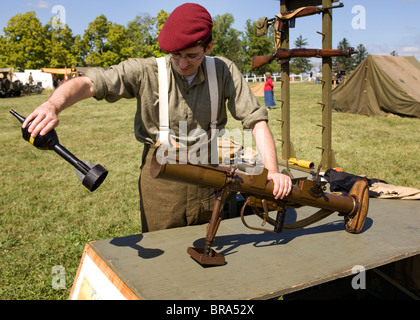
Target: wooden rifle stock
258 192
259 61
284 55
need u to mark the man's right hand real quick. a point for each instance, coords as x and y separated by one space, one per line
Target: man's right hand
44 119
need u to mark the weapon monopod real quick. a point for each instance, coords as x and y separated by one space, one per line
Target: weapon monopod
91 175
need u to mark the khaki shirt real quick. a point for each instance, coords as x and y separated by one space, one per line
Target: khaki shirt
189 103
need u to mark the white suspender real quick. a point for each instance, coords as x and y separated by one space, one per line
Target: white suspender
163 102
214 92
163 97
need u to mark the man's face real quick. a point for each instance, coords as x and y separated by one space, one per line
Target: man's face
186 62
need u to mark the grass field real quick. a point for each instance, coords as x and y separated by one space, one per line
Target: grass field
47 216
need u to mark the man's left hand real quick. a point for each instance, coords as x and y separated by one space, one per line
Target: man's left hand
282 184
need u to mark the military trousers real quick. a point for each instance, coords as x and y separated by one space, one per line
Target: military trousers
166 204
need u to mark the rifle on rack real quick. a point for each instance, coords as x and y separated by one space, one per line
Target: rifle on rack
290 16
285 55
281 20
258 192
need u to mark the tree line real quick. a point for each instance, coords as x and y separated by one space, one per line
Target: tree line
27 44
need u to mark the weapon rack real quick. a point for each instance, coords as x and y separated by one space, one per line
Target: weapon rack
327 153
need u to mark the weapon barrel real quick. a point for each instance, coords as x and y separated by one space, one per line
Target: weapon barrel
218 177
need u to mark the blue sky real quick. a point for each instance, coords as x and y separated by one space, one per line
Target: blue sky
387 24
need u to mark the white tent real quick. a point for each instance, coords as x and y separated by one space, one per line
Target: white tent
45 79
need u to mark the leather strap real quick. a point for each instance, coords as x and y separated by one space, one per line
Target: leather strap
290 15
319 215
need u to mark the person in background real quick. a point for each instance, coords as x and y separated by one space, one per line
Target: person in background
269 92
318 77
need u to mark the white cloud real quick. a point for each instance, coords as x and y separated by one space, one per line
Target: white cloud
410 50
40 4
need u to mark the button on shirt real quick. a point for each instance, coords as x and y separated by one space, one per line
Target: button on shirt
188 103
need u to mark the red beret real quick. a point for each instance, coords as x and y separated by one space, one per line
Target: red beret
187 26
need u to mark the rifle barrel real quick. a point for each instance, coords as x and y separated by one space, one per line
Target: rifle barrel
259 61
311 10
294 53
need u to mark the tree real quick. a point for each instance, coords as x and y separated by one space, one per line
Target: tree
361 54
94 40
226 39
300 65
344 63
25 42
142 33
162 16
119 43
257 46
3 52
80 48
62 51
106 43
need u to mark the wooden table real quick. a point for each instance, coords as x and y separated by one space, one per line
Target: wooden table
258 265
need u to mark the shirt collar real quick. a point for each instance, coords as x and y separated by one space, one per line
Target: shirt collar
199 78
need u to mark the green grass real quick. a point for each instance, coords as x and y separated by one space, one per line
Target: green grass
47 216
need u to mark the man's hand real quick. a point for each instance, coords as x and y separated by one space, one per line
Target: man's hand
282 184
44 119
267 148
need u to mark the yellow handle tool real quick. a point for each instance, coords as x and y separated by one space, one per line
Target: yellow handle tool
302 163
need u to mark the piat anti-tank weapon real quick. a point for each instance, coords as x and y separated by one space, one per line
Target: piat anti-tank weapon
91 175
258 192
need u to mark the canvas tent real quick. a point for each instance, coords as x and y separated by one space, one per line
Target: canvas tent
68 71
381 85
258 90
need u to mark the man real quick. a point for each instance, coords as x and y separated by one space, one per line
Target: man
186 36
